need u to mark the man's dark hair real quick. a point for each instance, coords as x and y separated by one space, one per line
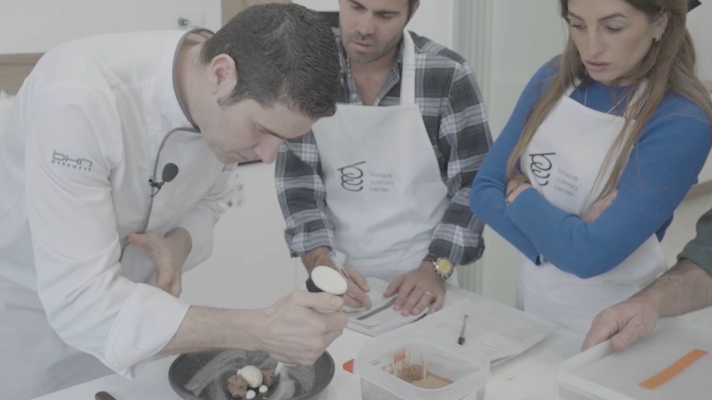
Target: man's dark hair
284 53
411 4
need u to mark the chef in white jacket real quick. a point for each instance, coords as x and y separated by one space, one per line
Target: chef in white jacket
115 157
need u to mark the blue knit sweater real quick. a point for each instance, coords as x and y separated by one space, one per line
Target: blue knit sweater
664 164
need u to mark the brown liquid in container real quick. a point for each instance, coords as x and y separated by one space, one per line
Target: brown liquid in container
432 381
416 375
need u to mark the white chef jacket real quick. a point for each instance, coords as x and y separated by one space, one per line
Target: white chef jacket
75 160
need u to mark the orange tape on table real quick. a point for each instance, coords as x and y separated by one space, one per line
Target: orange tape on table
675 369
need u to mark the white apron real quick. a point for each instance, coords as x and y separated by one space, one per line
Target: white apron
384 190
562 162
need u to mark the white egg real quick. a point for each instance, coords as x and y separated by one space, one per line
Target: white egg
250 394
263 389
252 375
329 280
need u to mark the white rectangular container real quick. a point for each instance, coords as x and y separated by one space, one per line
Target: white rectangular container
601 374
468 369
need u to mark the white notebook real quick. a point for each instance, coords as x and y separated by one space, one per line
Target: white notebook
381 317
497 331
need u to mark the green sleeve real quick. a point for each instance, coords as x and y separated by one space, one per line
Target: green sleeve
699 250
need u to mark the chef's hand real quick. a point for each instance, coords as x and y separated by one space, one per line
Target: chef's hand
623 323
417 290
599 207
515 186
168 254
294 333
356 296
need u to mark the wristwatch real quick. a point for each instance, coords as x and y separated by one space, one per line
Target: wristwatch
443 266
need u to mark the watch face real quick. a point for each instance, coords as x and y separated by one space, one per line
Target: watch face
444 266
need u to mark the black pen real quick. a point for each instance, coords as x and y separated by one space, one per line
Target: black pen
461 339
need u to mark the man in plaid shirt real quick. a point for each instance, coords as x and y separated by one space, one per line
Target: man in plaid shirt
386 181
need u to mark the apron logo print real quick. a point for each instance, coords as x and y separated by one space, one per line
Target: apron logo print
540 166
351 177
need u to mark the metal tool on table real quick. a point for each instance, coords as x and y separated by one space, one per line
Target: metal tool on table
384 307
340 267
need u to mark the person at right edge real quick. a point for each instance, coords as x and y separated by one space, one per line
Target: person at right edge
685 288
603 145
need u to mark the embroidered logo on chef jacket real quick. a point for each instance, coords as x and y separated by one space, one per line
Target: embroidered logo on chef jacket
66 161
541 166
352 177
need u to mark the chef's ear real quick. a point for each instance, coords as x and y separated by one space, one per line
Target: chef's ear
222 73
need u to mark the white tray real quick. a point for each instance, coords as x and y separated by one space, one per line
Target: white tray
599 374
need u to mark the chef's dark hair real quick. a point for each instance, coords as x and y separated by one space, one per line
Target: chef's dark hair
411 4
284 53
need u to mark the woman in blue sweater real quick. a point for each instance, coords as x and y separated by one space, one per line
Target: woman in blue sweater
602 146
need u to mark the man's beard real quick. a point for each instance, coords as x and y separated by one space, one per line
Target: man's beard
379 52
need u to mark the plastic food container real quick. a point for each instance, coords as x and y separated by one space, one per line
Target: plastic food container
642 371
468 370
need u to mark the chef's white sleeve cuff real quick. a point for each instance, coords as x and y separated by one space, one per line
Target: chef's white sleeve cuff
146 323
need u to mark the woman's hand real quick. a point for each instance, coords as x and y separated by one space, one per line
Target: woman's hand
515 186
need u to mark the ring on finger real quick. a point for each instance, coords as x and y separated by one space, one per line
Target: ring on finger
428 293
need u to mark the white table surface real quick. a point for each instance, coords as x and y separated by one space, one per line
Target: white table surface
526 375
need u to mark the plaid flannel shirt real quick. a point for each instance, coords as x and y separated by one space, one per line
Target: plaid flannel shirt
455 119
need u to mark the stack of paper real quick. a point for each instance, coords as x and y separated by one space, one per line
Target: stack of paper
497 331
381 317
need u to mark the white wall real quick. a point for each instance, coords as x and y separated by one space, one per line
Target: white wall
35 26
433 19
699 24
525 36
250 266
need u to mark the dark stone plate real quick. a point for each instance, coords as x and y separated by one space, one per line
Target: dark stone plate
203 376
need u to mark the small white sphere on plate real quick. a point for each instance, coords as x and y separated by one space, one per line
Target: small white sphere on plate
329 280
252 375
250 395
263 389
